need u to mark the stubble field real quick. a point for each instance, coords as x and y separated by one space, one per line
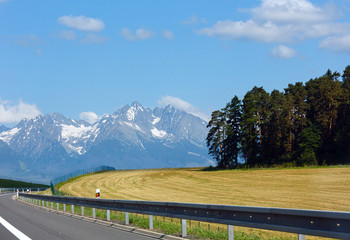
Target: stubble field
303 188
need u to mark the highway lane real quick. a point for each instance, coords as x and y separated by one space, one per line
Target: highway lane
40 224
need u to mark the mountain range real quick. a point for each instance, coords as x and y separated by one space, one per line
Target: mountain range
134 137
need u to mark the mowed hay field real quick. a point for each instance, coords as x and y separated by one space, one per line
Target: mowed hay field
321 188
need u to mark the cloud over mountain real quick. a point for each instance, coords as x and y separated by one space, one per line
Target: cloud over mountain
182 105
13 113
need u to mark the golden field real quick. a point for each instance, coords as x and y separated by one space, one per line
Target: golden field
324 188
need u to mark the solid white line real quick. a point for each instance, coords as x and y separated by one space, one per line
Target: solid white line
13 230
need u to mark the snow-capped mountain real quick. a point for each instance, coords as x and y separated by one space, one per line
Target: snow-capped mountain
132 137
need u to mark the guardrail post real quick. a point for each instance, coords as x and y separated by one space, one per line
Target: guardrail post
57 206
126 218
108 215
150 221
230 232
51 204
72 208
82 210
64 207
93 213
301 237
183 228
47 203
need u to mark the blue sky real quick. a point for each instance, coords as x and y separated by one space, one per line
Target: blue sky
88 58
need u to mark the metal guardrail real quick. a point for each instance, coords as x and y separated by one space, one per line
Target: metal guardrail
305 222
21 189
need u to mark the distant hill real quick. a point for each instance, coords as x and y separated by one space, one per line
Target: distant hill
6 183
133 137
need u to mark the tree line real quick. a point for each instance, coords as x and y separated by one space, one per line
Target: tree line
306 124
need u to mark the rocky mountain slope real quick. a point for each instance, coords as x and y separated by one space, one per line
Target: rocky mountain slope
133 137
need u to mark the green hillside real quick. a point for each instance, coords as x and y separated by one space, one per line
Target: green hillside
6 183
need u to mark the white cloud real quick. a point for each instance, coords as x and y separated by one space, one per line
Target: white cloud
93 38
168 34
82 23
194 20
267 32
13 113
337 43
282 51
89 117
67 34
182 105
281 21
287 11
139 34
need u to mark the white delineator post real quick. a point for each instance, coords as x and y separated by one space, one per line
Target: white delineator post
150 222
301 237
183 228
230 232
126 218
108 215
97 193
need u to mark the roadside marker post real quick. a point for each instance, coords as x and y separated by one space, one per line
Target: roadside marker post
150 222
126 218
82 210
108 215
230 231
183 228
97 193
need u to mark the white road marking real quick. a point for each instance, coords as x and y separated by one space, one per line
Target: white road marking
13 230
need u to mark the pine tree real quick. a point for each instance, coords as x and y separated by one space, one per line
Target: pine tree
253 124
323 95
232 142
216 136
343 123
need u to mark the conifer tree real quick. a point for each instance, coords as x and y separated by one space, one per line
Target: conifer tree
232 142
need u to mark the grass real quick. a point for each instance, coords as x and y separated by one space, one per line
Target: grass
6 183
321 188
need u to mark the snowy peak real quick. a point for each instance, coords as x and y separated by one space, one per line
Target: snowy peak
133 125
3 129
6 136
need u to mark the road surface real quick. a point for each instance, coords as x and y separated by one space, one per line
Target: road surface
40 224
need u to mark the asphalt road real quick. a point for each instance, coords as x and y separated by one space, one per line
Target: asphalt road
41 224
